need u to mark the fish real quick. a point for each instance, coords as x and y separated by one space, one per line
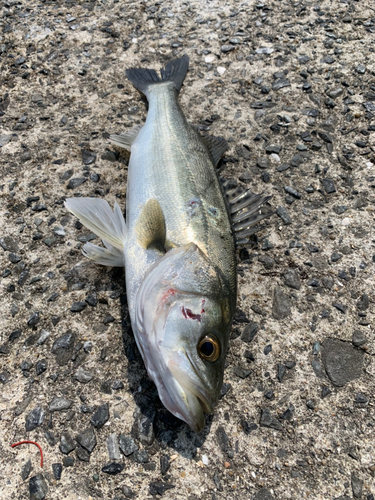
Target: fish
178 245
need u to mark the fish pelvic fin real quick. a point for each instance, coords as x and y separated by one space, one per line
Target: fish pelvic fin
126 139
245 211
97 215
150 227
175 71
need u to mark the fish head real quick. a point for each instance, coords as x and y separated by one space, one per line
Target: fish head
183 319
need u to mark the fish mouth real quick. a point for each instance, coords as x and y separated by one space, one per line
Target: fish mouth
195 400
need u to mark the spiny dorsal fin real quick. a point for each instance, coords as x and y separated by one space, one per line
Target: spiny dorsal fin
216 146
126 139
244 208
150 227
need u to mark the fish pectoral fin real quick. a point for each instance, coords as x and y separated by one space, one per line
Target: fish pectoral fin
126 139
108 256
97 215
217 146
245 211
150 227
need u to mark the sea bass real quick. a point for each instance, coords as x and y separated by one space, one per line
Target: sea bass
177 246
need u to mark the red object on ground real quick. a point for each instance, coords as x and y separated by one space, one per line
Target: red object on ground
36 444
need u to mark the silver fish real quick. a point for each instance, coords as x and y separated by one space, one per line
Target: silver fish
177 246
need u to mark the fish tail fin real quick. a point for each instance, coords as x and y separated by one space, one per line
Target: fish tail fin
97 215
175 71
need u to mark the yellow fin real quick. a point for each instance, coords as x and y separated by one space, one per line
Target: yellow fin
150 227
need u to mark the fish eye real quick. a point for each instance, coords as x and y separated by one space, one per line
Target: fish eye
209 348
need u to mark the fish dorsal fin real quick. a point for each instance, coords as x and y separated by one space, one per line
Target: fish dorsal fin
126 139
244 208
150 227
216 146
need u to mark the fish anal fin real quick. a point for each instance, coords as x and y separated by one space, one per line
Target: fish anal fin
150 227
244 208
126 139
217 146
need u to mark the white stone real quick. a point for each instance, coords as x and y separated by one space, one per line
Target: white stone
209 58
221 70
346 221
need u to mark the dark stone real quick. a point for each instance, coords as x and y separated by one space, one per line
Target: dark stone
361 398
224 389
68 461
328 186
267 349
16 334
143 427
67 443
59 404
26 469
281 306
140 456
50 437
83 376
57 471
263 162
227 48
263 494
87 439
41 366
249 332
4 377
159 487
92 300
9 244
268 262
280 83
76 182
63 348
164 464
359 338
117 384
342 361
273 148
82 454
34 319
326 391
283 214
78 306
281 371
293 192
267 420
336 257
363 302
113 468
38 487
357 486
340 307
100 417
34 418
88 157
291 279
241 372
317 367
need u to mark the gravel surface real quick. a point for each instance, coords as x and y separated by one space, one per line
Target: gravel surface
291 86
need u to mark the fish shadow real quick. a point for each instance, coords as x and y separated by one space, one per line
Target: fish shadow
169 431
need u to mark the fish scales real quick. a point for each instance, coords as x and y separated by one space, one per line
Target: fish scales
169 153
